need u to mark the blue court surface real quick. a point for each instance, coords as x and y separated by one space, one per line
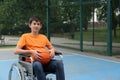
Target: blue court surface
78 67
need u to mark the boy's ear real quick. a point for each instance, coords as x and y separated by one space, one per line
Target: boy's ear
41 26
29 25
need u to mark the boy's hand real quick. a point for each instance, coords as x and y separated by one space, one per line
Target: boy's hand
36 53
52 53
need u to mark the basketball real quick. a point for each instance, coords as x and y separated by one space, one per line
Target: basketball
45 56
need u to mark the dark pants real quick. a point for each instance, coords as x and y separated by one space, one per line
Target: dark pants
54 66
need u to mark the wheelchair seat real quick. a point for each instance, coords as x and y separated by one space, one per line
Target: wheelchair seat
23 70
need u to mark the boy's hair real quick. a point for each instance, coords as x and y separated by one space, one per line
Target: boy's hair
34 18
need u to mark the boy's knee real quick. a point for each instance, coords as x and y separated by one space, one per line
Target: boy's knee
59 63
37 65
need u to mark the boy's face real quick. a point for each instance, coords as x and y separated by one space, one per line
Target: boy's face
35 26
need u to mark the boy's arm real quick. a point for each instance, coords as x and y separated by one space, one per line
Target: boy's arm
19 50
52 50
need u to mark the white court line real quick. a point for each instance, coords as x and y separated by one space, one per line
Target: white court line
77 55
93 57
9 60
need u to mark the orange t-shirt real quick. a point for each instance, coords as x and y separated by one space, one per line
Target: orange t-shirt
40 42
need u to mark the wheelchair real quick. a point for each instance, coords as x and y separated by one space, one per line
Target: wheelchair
23 70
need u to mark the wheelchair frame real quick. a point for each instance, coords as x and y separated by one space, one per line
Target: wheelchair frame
25 69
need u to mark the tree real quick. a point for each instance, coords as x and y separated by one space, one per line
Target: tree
115 5
66 14
115 18
15 14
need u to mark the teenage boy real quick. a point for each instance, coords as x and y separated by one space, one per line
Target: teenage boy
41 51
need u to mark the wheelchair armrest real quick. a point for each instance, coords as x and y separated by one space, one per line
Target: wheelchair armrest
23 56
58 53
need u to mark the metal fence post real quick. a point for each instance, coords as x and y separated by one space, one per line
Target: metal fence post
109 21
47 18
81 31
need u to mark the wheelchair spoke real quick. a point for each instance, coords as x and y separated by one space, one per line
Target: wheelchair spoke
15 74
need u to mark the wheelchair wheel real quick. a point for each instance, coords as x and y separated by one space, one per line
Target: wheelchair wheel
16 72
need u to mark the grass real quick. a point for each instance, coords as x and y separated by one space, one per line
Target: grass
100 35
6 46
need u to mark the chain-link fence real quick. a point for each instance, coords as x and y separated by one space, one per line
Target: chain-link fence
87 25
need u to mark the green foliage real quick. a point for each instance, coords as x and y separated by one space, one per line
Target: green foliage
15 14
102 11
64 14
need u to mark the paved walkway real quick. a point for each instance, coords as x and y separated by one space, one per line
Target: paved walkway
74 44
69 43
